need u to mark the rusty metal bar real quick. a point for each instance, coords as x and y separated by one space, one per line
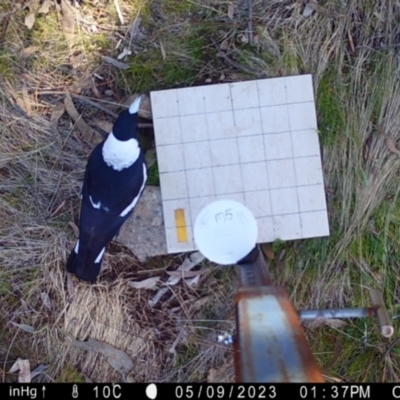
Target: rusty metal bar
270 345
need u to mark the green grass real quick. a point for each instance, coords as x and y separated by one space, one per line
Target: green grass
7 65
153 178
69 374
331 113
184 58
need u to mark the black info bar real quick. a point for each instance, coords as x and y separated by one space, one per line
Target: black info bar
138 391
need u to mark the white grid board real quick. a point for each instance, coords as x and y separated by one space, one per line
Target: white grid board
255 142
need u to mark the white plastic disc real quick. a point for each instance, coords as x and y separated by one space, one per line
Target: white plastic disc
225 231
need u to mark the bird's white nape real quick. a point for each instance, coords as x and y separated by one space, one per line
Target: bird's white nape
134 107
100 256
135 200
120 154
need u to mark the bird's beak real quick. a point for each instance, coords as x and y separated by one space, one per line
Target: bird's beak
134 107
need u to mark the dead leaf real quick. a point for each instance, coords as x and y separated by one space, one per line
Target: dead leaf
157 297
24 327
33 6
391 144
56 114
225 44
27 101
68 22
87 132
28 51
115 63
21 104
46 300
118 359
189 263
335 323
38 370
148 283
134 29
163 52
308 10
267 250
83 83
231 10
70 285
186 274
194 281
25 306
24 368
44 9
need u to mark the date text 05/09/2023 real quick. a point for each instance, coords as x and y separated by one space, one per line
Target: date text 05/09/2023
271 391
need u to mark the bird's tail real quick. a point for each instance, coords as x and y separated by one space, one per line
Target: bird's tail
83 264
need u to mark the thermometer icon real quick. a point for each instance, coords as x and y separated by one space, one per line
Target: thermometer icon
75 392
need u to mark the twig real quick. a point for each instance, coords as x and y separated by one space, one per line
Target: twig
351 42
121 18
250 25
390 348
5 21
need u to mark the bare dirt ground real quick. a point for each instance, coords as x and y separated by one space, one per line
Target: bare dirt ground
66 69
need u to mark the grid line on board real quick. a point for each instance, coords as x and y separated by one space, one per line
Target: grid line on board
237 145
293 164
265 157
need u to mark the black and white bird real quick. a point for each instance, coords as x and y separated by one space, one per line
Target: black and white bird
114 180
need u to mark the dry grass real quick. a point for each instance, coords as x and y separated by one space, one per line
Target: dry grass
351 52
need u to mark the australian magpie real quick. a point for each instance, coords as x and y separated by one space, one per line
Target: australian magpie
114 180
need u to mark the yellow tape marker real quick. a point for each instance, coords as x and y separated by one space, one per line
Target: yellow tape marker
180 224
